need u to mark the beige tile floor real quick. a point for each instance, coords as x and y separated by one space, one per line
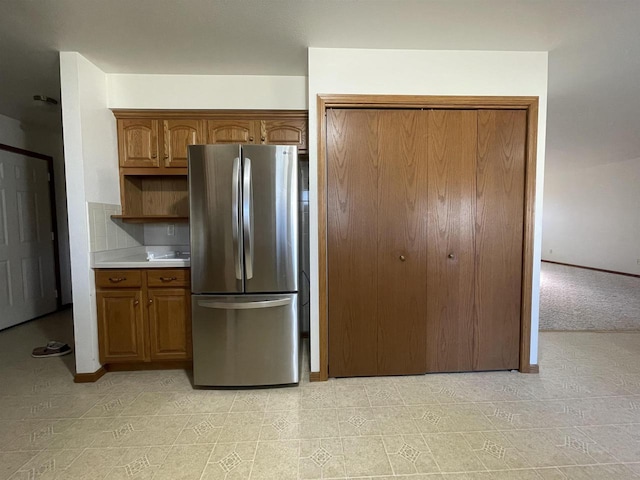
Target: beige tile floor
578 419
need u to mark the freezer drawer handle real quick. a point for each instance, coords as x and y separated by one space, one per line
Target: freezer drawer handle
246 305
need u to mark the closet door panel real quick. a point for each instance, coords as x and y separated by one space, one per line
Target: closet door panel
499 230
402 242
452 139
351 241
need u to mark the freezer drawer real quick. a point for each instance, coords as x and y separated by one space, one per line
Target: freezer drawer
245 340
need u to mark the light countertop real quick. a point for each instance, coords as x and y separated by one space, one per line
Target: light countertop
136 257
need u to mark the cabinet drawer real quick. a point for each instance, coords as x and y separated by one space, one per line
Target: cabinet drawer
168 277
118 278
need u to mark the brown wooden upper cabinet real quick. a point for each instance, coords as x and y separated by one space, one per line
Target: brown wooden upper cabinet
157 144
138 143
289 131
231 131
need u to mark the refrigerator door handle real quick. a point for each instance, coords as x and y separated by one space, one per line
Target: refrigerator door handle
246 305
247 218
235 216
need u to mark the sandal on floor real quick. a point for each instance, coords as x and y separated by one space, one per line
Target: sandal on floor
53 349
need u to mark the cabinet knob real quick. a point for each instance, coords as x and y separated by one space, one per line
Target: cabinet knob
117 279
451 255
154 155
166 156
150 301
263 138
251 139
402 258
168 279
136 302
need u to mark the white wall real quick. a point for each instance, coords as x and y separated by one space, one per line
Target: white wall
12 132
416 72
92 176
207 92
592 216
27 137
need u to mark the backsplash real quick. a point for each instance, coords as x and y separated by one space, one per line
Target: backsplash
158 234
108 234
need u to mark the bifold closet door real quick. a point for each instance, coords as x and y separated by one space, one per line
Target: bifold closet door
499 238
402 241
376 241
352 257
452 140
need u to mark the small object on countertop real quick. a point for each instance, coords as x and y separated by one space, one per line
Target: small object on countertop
52 349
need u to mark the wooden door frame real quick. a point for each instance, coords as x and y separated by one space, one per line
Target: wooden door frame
54 213
529 104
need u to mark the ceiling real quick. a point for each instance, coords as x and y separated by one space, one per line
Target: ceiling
594 59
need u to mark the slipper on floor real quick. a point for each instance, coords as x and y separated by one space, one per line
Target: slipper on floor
53 349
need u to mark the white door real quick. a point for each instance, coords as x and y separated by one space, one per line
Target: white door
27 266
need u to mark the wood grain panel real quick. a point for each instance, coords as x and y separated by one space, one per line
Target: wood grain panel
169 323
499 230
351 241
120 326
169 277
284 132
177 136
402 241
165 195
138 143
124 278
232 131
452 138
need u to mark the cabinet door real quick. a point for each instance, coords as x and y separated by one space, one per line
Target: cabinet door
284 132
120 327
232 131
169 323
177 136
138 143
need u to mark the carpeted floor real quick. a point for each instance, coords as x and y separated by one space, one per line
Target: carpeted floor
579 299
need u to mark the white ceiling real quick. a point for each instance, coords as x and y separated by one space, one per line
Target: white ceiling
594 60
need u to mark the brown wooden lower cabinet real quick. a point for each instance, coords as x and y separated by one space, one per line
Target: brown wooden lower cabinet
144 316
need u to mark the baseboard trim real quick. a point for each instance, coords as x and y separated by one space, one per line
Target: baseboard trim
89 377
531 368
164 365
594 269
316 377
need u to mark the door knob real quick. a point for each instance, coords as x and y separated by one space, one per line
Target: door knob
451 255
402 258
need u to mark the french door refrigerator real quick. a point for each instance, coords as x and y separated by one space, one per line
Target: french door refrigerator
243 202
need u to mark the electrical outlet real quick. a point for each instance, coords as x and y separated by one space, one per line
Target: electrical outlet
171 230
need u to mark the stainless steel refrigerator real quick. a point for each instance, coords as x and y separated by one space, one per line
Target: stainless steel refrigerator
243 202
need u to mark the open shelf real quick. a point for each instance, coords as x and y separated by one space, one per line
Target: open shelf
154 199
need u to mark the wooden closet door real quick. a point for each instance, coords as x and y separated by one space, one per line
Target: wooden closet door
452 139
351 241
499 230
402 242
